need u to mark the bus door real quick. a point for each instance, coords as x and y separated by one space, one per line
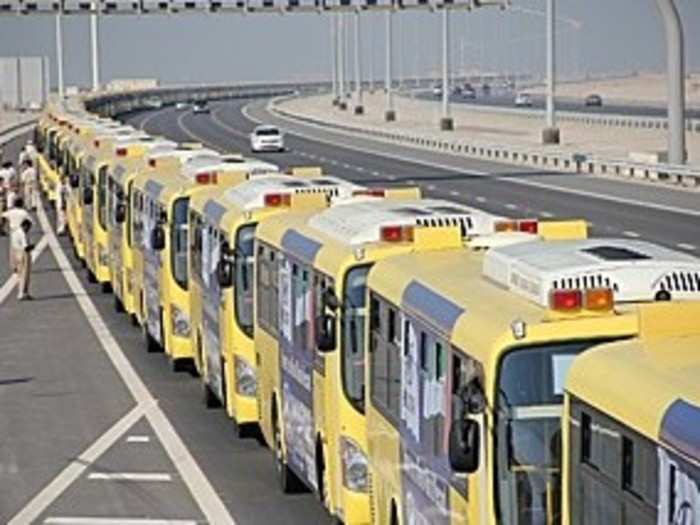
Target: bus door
212 241
297 351
151 271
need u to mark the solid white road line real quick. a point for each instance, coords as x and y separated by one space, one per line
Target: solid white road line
11 282
129 476
138 439
75 468
413 160
201 489
114 521
193 135
148 119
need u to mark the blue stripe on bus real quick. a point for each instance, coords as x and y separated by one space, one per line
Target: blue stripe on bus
300 246
432 307
680 428
214 211
153 189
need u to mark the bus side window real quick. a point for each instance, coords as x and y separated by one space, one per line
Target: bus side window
394 363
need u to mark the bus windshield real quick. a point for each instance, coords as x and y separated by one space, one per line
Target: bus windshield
178 241
243 289
528 439
354 314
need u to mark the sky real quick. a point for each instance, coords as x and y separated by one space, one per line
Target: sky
594 36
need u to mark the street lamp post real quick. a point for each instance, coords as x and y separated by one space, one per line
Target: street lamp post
446 122
59 55
390 112
342 104
550 135
334 61
94 37
359 108
675 61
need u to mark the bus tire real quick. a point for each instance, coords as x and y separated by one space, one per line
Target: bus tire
106 287
91 277
134 320
180 365
394 514
288 481
210 399
118 305
152 345
322 476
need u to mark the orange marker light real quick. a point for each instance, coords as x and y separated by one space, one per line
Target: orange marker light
275 200
396 234
599 299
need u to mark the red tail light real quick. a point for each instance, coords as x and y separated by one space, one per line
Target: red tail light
372 192
396 234
277 199
122 152
206 178
566 300
528 226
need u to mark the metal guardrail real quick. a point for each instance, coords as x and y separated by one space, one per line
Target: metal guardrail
14 131
683 176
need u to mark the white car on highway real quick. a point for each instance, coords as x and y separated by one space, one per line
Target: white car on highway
523 100
266 138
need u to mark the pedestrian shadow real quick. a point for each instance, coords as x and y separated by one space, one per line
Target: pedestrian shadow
16 381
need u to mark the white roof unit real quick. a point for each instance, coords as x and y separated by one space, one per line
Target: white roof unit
251 194
634 270
360 220
229 163
186 154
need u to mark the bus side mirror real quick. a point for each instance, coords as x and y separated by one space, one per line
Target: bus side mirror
120 213
87 196
465 438
325 333
74 181
158 238
224 273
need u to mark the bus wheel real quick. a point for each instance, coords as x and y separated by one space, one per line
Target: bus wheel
152 345
106 287
322 481
394 514
118 305
91 277
180 365
210 399
288 481
134 320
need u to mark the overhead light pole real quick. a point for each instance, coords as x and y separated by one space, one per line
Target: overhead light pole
334 61
390 111
59 55
446 122
675 64
359 108
342 104
551 135
94 38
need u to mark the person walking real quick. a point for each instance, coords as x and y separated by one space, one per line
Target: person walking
22 253
4 190
28 180
14 217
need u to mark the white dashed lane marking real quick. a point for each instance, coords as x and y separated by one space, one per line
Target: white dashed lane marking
631 234
686 246
138 439
129 476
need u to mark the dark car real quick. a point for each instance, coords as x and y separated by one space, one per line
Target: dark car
593 101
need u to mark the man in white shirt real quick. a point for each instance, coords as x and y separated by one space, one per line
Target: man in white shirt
28 181
21 252
61 201
13 219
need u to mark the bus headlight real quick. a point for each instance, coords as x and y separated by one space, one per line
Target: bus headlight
246 381
354 465
179 321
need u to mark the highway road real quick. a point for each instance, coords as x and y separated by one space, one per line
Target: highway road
505 99
613 207
95 428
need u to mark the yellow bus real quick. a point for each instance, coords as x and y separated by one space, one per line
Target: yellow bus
222 311
632 424
311 352
466 364
119 183
159 222
105 150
